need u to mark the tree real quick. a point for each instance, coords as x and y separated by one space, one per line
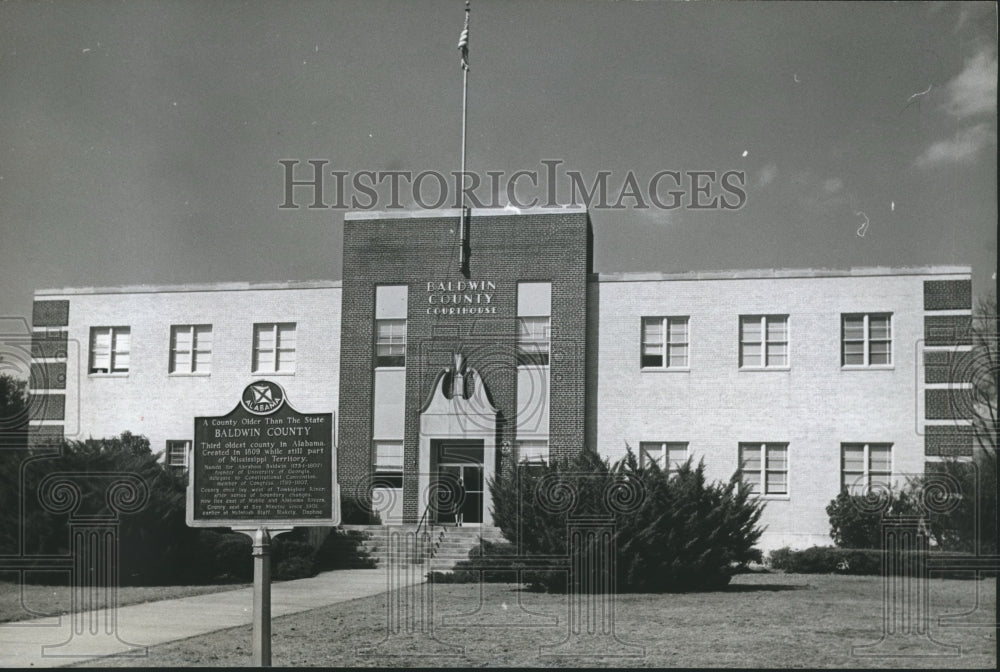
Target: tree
13 411
983 372
13 441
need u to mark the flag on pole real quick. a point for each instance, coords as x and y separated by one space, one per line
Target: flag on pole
463 39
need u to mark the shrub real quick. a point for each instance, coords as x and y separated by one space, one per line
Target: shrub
962 493
853 561
856 520
671 534
225 557
153 541
292 557
343 549
498 562
779 558
156 546
353 512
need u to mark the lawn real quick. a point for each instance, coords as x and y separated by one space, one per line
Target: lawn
17 604
762 620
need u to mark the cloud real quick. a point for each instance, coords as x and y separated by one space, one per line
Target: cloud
767 174
833 185
974 90
963 147
820 195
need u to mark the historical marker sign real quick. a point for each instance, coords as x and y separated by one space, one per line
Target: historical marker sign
263 464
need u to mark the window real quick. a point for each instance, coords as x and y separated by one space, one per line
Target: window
866 340
764 467
864 465
109 349
388 456
668 456
390 343
390 325
664 343
274 347
533 341
534 310
389 464
191 348
763 341
177 452
532 452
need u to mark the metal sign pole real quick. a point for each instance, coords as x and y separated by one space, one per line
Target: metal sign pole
262 598
262 590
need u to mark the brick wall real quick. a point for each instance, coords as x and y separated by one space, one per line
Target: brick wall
504 249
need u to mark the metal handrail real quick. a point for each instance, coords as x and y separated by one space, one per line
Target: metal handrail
424 519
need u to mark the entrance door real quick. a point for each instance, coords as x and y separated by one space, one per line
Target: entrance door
471 505
452 459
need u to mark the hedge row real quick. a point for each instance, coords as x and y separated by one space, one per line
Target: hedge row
155 545
854 561
499 562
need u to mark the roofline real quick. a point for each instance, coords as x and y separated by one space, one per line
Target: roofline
369 215
742 274
194 287
747 274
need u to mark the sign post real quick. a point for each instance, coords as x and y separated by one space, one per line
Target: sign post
262 470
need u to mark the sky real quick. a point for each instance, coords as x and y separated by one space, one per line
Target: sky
140 141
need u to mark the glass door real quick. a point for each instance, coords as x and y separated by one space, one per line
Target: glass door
448 504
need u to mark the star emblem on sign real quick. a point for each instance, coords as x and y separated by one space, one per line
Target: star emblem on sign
262 394
262 397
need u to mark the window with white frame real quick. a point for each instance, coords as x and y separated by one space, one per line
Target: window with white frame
534 311
390 342
533 452
388 456
763 341
389 463
866 340
109 349
664 343
764 467
177 452
668 456
274 347
864 465
390 325
533 341
191 348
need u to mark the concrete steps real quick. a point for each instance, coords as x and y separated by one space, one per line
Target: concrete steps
441 549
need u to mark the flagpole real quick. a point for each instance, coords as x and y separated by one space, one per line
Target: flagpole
463 44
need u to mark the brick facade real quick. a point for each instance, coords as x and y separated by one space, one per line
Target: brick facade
947 294
948 404
48 376
948 330
504 249
948 440
942 366
50 313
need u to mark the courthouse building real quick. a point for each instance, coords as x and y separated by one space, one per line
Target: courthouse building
461 348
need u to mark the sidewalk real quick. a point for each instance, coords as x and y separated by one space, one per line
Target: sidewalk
151 623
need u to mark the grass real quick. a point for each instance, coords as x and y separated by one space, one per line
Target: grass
762 620
19 603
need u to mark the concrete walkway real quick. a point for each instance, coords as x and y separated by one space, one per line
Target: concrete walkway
151 623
